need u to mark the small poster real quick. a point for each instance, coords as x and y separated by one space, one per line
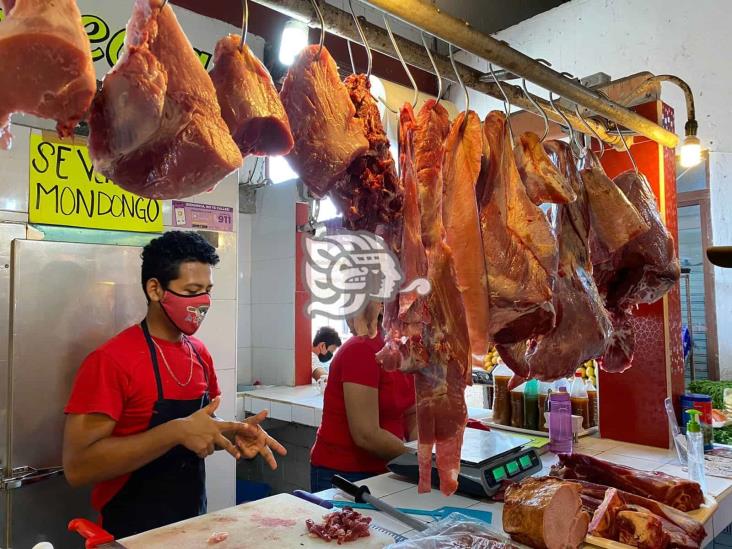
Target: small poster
203 216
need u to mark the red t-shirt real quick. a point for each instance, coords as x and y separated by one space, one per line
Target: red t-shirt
355 362
117 380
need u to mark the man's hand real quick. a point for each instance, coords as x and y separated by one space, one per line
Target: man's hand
201 432
255 440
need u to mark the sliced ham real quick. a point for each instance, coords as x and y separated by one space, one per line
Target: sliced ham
249 102
328 136
156 128
545 513
543 182
45 64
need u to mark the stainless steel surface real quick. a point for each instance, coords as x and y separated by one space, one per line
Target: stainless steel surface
341 23
66 300
25 476
425 16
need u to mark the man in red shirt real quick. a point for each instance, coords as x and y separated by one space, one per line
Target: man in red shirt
140 419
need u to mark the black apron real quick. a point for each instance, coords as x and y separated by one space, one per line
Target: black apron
170 488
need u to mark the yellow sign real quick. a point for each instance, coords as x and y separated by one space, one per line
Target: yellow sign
65 190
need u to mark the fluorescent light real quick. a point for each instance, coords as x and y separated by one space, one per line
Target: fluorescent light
690 152
294 39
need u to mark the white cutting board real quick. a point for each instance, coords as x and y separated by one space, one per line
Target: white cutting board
277 521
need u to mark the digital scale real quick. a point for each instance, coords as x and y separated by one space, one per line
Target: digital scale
487 459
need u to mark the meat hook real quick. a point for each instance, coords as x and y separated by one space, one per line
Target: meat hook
602 143
401 59
437 73
506 103
165 3
369 56
536 105
462 86
627 149
244 24
319 13
350 56
580 147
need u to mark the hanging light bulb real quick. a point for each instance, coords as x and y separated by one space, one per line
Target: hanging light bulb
294 39
691 149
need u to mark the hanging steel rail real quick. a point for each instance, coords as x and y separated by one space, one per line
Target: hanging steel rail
340 23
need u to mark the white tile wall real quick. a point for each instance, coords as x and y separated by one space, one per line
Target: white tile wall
273 280
218 332
273 325
244 366
273 366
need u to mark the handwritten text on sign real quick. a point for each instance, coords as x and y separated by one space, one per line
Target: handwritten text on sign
65 190
203 216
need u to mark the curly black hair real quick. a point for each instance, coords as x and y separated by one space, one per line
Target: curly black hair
327 335
162 257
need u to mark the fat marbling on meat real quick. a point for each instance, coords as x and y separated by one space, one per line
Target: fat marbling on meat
543 181
45 64
155 127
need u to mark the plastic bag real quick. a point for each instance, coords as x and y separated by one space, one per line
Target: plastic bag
456 531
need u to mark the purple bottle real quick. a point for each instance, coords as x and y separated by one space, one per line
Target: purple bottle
560 422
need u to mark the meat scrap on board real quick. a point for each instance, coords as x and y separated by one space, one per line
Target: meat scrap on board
250 104
45 63
155 127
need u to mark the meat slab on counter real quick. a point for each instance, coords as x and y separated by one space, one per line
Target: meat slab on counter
342 526
155 127
545 513
45 64
250 104
328 136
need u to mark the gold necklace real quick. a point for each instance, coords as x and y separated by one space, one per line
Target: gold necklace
170 370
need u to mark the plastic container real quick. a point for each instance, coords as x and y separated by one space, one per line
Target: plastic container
594 404
531 405
560 385
703 403
695 449
560 423
517 406
542 401
580 400
501 399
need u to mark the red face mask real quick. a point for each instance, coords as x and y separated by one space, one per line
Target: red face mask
186 312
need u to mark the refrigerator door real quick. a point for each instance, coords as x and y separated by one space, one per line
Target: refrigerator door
66 300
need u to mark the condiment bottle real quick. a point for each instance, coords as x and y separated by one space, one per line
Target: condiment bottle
695 449
501 400
531 405
580 401
543 397
560 423
594 404
517 406
561 385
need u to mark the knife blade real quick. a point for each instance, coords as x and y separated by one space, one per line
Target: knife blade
96 537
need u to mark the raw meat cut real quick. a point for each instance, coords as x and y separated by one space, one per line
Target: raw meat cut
463 153
545 513
603 522
582 323
543 182
519 246
641 271
440 385
249 102
45 64
640 529
369 194
218 537
681 494
156 128
328 136
343 526
615 221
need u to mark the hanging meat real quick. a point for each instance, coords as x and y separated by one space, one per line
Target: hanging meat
45 64
249 102
519 246
328 136
582 323
544 184
369 194
641 271
463 154
156 128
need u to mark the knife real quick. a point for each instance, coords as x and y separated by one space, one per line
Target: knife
96 537
362 495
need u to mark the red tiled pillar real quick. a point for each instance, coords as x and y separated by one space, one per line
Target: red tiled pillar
303 337
631 403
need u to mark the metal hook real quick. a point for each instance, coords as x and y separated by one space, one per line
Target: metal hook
316 7
244 24
401 59
434 67
506 103
363 39
536 105
574 135
460 81
350 55
627 149
602 143
165 3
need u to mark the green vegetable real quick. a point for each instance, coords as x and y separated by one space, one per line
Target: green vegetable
714 389
723 435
